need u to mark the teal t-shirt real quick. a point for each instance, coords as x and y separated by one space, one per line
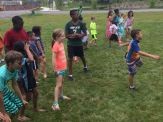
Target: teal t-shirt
5 76
72 28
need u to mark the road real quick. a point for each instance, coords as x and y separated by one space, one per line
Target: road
9 14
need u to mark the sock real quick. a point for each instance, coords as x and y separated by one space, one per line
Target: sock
131 87
70 75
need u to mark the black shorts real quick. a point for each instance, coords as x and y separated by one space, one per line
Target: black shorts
94 36
75 51
113 37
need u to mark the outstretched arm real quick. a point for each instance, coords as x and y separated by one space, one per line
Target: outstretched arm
149 55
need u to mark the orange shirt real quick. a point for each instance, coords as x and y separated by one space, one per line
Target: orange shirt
60 57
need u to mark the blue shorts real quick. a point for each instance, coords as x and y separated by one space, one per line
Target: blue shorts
132 67
60 73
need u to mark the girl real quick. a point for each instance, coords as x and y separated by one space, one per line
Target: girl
129 23
59 65
108 23
37 31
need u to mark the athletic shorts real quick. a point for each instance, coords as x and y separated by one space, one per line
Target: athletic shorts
75 51
132 67
12 103
94 36
60 73
113 37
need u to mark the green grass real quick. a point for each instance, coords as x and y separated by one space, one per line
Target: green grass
102 94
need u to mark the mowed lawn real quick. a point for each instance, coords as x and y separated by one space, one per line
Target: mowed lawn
102 94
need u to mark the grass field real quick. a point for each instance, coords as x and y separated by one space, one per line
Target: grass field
102 94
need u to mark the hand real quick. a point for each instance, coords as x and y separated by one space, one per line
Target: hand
6 118
25 103
26 46
156 57
2 117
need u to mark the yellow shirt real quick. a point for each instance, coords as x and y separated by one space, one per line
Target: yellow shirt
93 28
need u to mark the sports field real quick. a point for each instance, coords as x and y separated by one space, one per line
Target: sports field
102 94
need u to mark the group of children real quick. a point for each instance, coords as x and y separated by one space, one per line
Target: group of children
22 61
118 26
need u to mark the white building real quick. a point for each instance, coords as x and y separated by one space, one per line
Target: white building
11 2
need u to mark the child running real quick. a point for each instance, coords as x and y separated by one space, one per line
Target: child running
133 56
59 65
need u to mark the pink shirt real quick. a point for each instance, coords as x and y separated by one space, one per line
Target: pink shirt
60 57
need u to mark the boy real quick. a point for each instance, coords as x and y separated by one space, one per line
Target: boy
9 101
93 31
75 31
132 58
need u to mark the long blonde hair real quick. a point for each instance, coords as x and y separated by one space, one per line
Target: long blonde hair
56 33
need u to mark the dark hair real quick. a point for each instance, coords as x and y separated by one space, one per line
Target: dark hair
129 13
134 32
116 11
19 46
56 33
72 11
36 30
109 13
17 20
12 56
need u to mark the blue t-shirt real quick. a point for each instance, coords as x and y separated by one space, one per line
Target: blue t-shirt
133 50
5 76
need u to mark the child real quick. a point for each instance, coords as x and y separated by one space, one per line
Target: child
27 81
35 52
37 31
85 38
1 49
11 103
108 23
59 65
75 31
132 58
121 29
93 31
129 23
114 33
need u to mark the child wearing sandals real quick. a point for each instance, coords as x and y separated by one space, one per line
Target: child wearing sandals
59 65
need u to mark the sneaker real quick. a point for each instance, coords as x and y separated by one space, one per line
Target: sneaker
70 78
132 88
85 69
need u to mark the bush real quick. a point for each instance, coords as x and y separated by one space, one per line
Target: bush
152 3
94 4
59 4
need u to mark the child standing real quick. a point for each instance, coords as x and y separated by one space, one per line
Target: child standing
133 56
75 31
59 65
11 103
93 30
27 81
129 23
37 31
34 50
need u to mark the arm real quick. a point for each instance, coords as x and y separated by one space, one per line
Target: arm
39 47
17 91
29 54
53 60
149 55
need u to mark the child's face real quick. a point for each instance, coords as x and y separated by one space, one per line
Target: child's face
139 36
16 65
62 37
74 15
